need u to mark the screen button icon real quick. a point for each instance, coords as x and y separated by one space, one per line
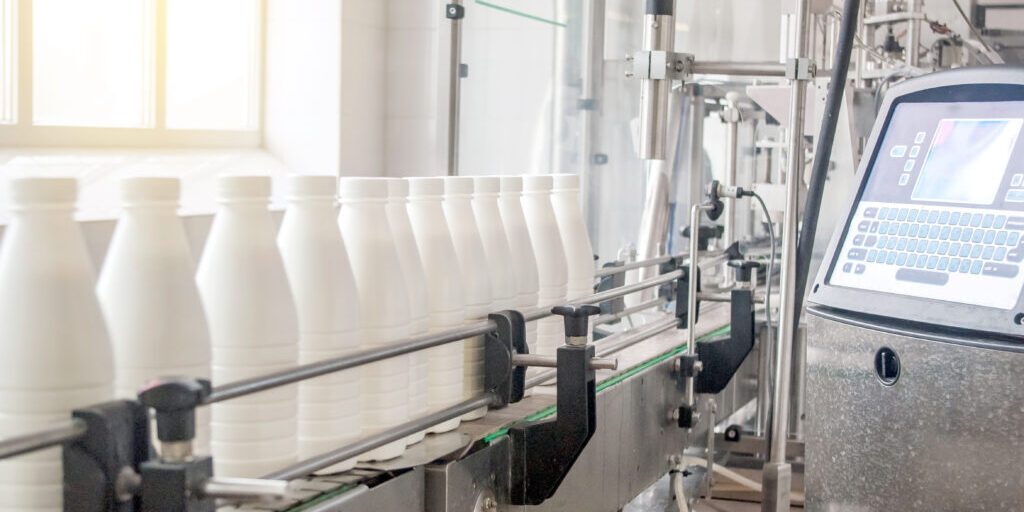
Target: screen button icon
920 137
898 151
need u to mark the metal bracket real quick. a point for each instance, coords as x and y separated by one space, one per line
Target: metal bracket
683 298
502 378
174 486
659 65
721 358
543 453
115 442
608 282
454 11
800 69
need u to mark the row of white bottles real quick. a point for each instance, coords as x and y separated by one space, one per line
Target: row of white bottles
404 257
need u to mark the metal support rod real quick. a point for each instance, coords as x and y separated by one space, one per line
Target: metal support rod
616 343
731 115
759 69
366 444
454 90
659 35
611 317
691 292
539 312
650 262
311 370
552 362
777 479
49 437
591 79
914 34
245 489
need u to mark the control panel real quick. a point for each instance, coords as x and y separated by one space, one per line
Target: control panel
941 211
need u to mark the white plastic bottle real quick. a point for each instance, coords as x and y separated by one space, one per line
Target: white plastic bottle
525 267
476 280
384 303
327 303
552 271
445 300
149 297
579 255
56 353
416 286
496 246
253 330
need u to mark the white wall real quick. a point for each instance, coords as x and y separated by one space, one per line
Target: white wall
302 104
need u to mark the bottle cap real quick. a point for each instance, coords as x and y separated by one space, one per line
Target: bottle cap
150 189
363 188
310 185
43 190
243 187
458 185
425 186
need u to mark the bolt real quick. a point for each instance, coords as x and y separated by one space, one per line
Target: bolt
677 366
490 505
697 367
673 415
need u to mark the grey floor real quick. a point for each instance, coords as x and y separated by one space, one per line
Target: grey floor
658 498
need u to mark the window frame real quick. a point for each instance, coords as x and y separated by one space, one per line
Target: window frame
24 133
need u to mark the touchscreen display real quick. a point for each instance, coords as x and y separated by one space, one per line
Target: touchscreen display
967 160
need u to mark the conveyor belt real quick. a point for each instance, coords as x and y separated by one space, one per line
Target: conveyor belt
307 493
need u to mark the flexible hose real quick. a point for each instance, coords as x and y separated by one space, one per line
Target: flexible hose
771 264
823 151
678 492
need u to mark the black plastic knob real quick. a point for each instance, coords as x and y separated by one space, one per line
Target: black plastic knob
704 235
744 269
576 318
175 400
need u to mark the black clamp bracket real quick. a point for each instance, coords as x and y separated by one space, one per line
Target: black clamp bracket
716 361
502 377
100 468
545 451
683 297
705 234
608 282
175 479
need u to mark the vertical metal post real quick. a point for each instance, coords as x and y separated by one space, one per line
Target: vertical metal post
454 12
764 364
777 475
914 33
691 293
592 73
796 410
730 115
659 35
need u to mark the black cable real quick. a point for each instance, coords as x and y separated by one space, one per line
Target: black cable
823 151
771 264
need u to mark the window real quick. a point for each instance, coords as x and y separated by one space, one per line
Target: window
130 72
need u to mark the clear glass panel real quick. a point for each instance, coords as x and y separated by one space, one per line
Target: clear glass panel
91 62
212 64
8 35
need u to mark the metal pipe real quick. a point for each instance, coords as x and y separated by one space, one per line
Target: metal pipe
245 489
536 313
794 174
311 370
591 79
730 115
552 361
454 86
659 35
650 262
616 343
757 69
611 317
54 435
691 305
379 439
914 33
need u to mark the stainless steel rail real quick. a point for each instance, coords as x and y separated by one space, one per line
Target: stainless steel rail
311 370
633 265
611 317
324 460
54 435
615 343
